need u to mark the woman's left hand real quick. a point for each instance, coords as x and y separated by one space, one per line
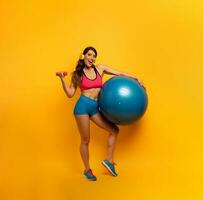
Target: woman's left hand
140 82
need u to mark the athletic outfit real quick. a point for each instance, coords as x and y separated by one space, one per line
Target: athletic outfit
86 105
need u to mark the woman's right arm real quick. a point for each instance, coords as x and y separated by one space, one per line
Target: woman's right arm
69 90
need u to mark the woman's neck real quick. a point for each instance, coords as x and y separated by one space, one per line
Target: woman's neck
88 68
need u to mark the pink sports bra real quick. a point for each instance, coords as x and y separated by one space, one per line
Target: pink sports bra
87 83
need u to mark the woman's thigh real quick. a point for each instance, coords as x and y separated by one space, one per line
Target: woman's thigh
103 123
83 123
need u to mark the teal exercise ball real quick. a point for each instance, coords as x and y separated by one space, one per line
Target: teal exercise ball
122 100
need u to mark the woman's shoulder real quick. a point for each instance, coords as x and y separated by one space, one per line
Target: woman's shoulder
99 66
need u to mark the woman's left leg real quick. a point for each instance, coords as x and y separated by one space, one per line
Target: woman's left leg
113 130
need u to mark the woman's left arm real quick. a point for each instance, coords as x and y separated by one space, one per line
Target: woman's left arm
109 70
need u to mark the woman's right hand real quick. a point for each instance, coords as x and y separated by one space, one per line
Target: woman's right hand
61 74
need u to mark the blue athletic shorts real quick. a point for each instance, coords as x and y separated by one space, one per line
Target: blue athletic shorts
86 106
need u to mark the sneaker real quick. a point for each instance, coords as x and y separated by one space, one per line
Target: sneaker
89 175
110 167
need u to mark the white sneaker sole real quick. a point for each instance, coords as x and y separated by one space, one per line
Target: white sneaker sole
105 165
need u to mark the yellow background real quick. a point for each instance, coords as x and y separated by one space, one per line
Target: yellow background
159 41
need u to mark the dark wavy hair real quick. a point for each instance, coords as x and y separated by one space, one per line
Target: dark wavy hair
77 73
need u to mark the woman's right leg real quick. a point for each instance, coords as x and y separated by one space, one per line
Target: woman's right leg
83 124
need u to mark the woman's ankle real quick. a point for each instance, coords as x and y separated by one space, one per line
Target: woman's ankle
86 169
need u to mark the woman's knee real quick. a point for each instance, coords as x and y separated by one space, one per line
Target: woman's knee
85 140
115 130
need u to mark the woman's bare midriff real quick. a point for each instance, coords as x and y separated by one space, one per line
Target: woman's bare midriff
92 93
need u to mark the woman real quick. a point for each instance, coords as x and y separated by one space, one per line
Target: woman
88 77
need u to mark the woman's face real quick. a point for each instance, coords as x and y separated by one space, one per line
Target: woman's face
89 58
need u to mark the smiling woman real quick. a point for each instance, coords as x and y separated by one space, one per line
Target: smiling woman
88 77
90 57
